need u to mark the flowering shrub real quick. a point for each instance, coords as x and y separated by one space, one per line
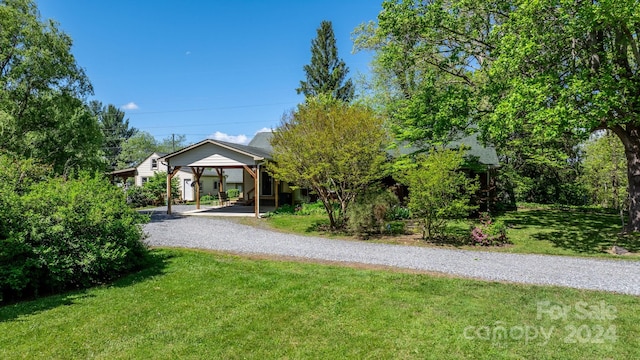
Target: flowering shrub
489 233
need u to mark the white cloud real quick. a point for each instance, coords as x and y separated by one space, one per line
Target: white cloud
130 106
237 139
264 129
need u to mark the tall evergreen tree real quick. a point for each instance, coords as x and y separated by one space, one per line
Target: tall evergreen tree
115 129
327 73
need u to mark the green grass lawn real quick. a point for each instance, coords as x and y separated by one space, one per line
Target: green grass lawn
567 231
574 232
201 305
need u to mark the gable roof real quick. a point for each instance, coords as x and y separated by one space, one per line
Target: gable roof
155 153
253 152
262 140
485 154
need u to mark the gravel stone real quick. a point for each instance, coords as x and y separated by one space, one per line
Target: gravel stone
621 276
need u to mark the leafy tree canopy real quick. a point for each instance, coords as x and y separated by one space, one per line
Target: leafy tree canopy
332 147
139 146
439 191
42 112
534 70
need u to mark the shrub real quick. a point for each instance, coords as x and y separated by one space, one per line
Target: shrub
438 190
233 193
16 259
72 234
285 209
153 192
315 208
208 198
137 197
156 188
368 214
489 232
396 228
398 212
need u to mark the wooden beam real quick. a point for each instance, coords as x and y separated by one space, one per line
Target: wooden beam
250 171
175 171
197 171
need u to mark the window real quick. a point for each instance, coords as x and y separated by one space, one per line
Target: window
144 180
154 164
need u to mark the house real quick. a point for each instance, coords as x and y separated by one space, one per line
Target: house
481 161
211 155
209 166
209 180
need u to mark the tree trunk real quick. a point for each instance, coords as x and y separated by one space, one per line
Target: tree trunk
633 173
324 197
630 136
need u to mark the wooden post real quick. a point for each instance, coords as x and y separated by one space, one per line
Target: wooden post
255 173
197 172
277 191
220 187
170 175
197 193
168 188
256 192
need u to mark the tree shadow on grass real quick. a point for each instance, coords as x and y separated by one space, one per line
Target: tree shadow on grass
319 226
155 265
581 231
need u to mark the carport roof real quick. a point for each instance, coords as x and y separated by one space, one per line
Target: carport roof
251 151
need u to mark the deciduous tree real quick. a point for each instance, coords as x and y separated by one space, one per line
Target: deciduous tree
438 190
567 68
42 112
138 147
604 172
334 148
539 71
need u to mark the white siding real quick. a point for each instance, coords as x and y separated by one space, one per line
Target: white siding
210 155
145 170
248 184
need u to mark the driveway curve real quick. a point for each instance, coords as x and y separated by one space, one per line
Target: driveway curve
621 276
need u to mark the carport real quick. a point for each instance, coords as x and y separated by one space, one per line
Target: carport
219 155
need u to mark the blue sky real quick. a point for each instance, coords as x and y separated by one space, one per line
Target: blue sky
204 67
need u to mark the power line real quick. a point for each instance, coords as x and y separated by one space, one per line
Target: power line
211 108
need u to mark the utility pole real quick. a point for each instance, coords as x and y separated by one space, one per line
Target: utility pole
173 142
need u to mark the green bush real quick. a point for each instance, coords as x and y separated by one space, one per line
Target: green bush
233 193
397 212
438 190
284 209
70 234
315 208
489 232
138 197
368 214
153 192
395 228
208 199
16 258
156 188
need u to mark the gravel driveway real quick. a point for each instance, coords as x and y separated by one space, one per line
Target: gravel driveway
622 276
